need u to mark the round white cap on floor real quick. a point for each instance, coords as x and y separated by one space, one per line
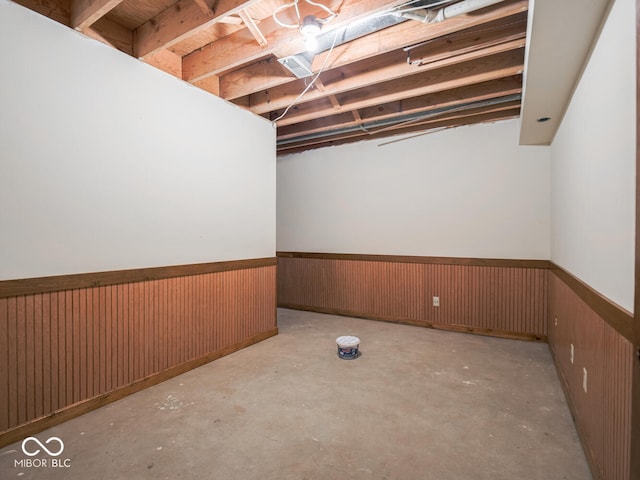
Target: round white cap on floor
348 341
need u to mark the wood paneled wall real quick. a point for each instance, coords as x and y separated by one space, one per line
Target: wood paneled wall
62 348
602 413
497 297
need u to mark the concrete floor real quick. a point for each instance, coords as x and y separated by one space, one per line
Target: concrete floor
418 404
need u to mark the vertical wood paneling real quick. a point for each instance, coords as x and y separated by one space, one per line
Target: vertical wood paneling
12 359
76 344
38 362
69 345
21 355
119 337
86 314
46 354
603 412
64 347
4 360
53 359
506 299
29 355
95 339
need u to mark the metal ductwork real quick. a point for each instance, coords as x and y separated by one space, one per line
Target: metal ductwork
427 15
377 126
355 30
425 11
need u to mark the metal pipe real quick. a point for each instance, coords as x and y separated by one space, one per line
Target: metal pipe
434 16
467 7
381 125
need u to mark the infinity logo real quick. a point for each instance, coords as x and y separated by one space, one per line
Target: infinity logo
38 442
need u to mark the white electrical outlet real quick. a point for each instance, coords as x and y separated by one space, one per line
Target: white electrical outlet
571 353
556 321
436 301
584 380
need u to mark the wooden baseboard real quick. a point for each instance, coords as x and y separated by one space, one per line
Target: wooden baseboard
408 321
591 458
71 411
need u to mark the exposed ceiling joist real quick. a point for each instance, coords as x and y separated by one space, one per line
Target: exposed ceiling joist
179 21
85 13
234 50
253 28
449 98
261 75
387 65
359 76
111 33
412 32
446 78
457 120
383 69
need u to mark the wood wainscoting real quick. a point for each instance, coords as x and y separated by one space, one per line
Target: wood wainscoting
509 298
598 333
72 343
506 298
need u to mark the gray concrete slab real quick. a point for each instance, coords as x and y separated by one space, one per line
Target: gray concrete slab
417 404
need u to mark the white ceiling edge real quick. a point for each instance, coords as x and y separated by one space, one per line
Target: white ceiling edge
560 38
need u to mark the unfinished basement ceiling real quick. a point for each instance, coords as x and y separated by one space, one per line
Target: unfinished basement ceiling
385 67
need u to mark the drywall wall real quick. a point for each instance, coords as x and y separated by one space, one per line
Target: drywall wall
593 166
465 192
107 163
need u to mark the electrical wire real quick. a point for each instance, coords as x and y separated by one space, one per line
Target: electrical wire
294 4
331 13
284 7
324 64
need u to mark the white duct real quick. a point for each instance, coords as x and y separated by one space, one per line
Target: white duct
434 16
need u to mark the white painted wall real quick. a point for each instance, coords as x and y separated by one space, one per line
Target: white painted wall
466 192
107 163
593 166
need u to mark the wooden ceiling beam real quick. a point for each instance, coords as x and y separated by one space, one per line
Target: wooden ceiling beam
468 73
58 10
332 98
412 32
166 61
236 49
391 66
210 84
253 28
181 20
85 13
493 116
450 98
257 76
509 20
111 33
203 5
501 87
468 41
452 115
